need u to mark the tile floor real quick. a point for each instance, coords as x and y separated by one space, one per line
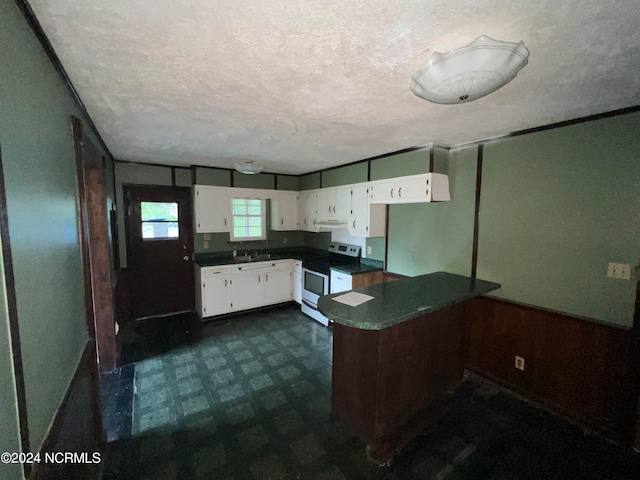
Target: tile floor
249 398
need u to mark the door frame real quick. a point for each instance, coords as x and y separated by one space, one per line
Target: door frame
128 243
93 227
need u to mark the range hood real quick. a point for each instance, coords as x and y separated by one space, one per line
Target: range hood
332 223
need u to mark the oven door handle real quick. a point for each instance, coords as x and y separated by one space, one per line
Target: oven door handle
309 304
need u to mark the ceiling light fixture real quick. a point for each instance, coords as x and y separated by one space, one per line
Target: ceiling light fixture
469 72
248 167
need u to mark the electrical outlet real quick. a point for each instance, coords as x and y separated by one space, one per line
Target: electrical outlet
621 271
284 240
207 236
519 363
368 250
206 245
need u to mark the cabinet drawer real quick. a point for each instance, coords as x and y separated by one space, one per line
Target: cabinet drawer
215 272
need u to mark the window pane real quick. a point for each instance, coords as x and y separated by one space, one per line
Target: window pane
156 230
167 211
248 219
254 210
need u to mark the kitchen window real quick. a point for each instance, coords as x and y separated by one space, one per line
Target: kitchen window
249 219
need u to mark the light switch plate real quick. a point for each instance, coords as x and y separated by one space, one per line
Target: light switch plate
206 245
368 250
207 236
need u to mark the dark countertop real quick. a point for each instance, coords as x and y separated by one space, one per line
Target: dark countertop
405 299
356 268
226 258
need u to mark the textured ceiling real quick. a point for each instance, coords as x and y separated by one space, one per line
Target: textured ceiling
302 85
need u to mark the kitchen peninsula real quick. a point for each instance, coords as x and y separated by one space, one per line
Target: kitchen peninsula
395 356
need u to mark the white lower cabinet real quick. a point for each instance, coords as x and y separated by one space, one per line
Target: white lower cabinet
235 288
340 282
214 295
277 285
246 291
297 281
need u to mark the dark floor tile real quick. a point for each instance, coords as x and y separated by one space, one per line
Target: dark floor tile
249 397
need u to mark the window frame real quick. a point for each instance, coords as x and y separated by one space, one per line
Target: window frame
152 221
263 217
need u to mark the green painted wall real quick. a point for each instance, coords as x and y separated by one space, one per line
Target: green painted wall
410 163
261 180
288 182
431 237
345 175
556 207
183 177
213 176
310 181
9 427
40 180
317 240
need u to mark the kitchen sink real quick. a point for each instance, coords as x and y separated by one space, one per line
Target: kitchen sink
252 258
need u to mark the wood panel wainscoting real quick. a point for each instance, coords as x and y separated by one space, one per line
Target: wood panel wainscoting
578 368
388 384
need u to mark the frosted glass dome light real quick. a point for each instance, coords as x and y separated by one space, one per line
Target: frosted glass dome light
470 72
248 167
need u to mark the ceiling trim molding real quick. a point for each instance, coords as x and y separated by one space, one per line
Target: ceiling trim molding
37 30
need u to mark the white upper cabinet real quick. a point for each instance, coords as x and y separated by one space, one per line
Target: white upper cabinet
365 219
309 209
383 191
342 203
326 203
212 209
284 210
334 203
427 187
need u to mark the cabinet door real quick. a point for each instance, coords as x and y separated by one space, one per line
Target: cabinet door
277 286
340 282
212 209
297 281
342 203
326 203
412 189
359 213
216 295
383 191
284 211
247 291
311 211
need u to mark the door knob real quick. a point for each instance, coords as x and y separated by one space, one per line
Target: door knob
186 257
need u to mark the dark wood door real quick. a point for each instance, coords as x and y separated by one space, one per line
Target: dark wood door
159 246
